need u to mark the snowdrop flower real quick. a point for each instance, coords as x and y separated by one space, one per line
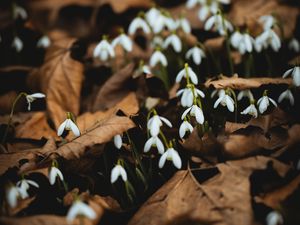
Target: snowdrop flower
33 97
24 185
274 218
12 195
225 100
162 22
118 141
158 57
206 9
185 25
152 15
192 3
17 44
173 40
264 102
286 95
43 42
124 41
117 171
187 97
19 11
251 110
219 23
154 142
138 23
68 124
154 124
295 72
195 111
245 93
184 127
79 208
294 45
172 155
156 41
54 173
196 53
104 50
267 38
188 73
243 42
268 21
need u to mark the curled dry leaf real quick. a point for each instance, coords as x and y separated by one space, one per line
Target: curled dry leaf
238 83
222 198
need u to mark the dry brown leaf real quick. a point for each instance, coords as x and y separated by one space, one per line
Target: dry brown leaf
238 83
223 199
6 101
60 79
37 220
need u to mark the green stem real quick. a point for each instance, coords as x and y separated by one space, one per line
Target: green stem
164 139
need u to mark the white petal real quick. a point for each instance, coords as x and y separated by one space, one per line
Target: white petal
162 160
296 76
273 102
197 56
61 128
74 129
182 129
180 75
229 103
38 95
118 141
199 114
185 113
33 183
263 104
160 146
176 159
115 173
166 121
123 174
218 102
148 144
73 212
193 76
12 197
209 23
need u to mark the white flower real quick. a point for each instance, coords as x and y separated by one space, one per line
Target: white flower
79 208
55 172
192 3
184 24
118 141
184 127
274 218
225 100
295 72
264 102
245 93
154 142
162 22
195 111
104 50
172 155
19 11
117 171
152 15
187 97
219 23
146 69
268 21
138 23
267 38
187 72
251 110
196 53
68 124
243 42
287 95
173 40
32 97
158 57
124 41
206 9
12 195
43 42
155 122
294 45
17 44
156 41
24 185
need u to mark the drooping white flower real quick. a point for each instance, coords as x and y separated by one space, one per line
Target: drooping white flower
295 72
195 111
196 53
225 100
192 3
187 72
156 41
185 25
294 45
154 142
218 23
79 208
19 11
32 97
117 171
152 15
68 124
266 39
17 44
245 93
118 141
24 185
12 195
184 127
274 218
173 40
264 102
138 23
251 110
187 96
207 9
43 42
172 155
286 95
268 21
243 42
53 174
158 57
154 124
162 22
124 41
104 50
